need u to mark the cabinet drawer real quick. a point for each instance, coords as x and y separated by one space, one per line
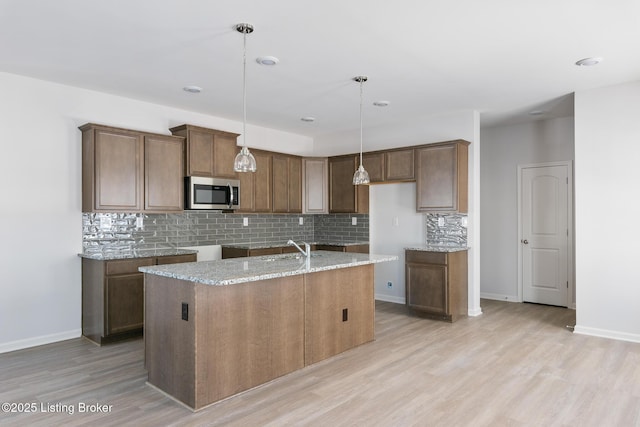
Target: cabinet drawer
423 257
176 259
265 251
127 266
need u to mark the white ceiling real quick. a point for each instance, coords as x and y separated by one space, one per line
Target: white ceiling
503 58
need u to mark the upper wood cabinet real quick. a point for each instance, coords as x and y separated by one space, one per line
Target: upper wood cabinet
344 197
442 177
208 152
315 185
399 165
389 166
287 180
163 180
129 171
374 165
256 187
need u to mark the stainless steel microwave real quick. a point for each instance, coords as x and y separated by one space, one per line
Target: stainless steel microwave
211 193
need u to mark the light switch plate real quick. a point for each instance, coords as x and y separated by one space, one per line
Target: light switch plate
354 220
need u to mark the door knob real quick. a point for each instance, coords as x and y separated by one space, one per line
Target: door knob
525 241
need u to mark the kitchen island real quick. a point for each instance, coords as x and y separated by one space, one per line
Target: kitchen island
216 328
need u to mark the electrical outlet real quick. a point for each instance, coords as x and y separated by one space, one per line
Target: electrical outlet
354 220
301 221
440 222
139 222
245 221
389 285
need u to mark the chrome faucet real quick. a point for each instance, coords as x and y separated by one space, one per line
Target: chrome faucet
307 248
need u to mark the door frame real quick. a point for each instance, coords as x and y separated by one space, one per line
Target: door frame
570 216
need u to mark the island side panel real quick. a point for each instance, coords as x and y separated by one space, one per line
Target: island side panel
330 330
247 334
169 340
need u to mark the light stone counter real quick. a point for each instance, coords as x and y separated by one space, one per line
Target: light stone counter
242 270
135 253
283 244
438 248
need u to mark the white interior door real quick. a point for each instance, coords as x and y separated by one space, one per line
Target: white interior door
544 234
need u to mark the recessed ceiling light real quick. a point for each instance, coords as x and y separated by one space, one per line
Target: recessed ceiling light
588 62
308 119
192 89
381 103
267 60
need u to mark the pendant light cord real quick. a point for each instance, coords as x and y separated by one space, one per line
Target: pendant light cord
244 92
361 83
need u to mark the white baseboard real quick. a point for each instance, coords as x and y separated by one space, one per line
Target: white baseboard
390 298
604 333
41 340
474 312
499 297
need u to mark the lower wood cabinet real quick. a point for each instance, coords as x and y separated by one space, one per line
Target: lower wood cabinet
244 252
436 283
113 296
361 249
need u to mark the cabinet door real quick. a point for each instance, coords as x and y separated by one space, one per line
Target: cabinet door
295 184
225 149
118 171
339 311
316 185
374 165
164 184
125 302
262 197
280 183
247 190
200 153
441 182
399 165
342 194
426 287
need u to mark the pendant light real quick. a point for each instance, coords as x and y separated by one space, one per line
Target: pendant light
361 176
244 162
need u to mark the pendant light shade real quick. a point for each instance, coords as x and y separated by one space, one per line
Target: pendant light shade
244 162
361 176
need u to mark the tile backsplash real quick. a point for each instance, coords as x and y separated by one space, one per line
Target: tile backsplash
111 232
446 229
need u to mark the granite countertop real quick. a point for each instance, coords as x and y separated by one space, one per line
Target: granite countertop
283 244
136 253
437 248
250 269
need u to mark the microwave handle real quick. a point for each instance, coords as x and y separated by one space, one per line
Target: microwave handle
231 196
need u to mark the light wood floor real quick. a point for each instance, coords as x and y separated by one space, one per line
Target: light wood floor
517 364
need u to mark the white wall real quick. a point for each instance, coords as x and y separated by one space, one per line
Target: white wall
607 183
503 149
40 203
386 203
